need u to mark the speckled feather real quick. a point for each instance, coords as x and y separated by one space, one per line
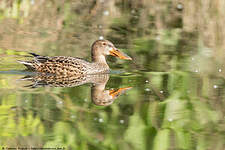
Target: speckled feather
60 65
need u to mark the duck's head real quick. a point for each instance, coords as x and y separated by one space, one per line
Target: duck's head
101 48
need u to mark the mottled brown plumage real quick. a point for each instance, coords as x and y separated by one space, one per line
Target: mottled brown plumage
63 65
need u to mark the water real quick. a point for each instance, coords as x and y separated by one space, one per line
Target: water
171 96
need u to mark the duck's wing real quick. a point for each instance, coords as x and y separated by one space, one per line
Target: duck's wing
61 65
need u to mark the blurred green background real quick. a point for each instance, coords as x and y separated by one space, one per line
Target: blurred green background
178 97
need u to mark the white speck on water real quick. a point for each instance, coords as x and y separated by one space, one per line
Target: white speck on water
215 86
73 116
146 81
161 91
100 26
192 58
106 13
100 120
147 89
170 119
32 2
60 102
26 101
132 11
158 38
196 70
220 70
101 37
122 121
85 100
179 6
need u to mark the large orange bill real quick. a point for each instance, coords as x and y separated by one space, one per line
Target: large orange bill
118 53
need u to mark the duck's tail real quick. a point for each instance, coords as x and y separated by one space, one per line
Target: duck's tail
35 55
29 64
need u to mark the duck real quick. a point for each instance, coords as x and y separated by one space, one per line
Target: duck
69 66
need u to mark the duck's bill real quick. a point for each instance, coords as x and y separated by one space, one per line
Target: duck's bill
118 53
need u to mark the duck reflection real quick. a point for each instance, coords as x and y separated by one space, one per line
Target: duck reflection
99 95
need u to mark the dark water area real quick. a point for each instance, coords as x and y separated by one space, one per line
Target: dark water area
170 96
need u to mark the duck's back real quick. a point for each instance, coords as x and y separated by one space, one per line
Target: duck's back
60 65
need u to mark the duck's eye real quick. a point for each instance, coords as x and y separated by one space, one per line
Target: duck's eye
103 43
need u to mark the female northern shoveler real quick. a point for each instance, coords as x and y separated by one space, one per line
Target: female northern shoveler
62 65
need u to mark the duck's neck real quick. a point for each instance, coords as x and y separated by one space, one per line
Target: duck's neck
99 59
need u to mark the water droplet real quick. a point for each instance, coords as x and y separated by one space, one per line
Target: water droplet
132 11
32 2
99 26
100 120
106 13
101 37
161 91
60 102
121 121
146 81
158 38
147 89
179 6
196 70
170 119
220 70
215 86
73 116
